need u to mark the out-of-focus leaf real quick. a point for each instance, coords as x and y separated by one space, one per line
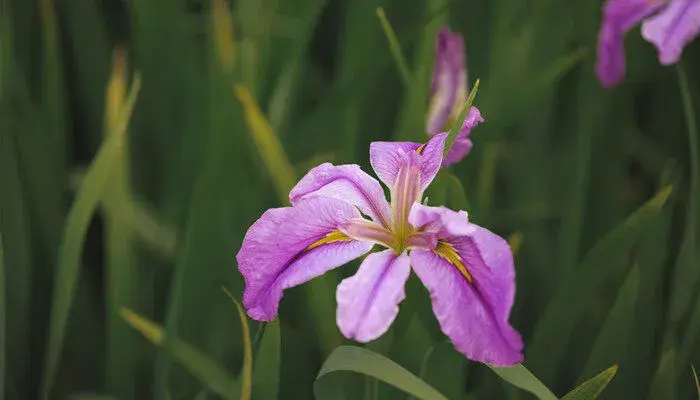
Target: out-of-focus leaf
521 377
2 321
216 378
269 146
591 389
663 385
92 396
266 371
611 344
86 200
697 382
515 240
555 328
395 48
246 377
363 361
456 195
223 26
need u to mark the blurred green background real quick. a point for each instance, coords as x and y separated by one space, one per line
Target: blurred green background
101 208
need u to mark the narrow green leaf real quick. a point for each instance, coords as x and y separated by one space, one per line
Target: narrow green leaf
266 371
555 328
86 200
215 377
246 377
663 384
521 377
697 382
2 321
363 361
395 48
592 388
611 344
687 273
457 126
456 195
269 146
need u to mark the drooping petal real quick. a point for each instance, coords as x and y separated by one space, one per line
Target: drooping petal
462 144
387 158
673 28
344 182
289 246
619 16
473 311
449 81
440 220
368 301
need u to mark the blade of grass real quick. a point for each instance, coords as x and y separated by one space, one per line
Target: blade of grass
266 372
457 126
572 299
216 378
697 382
521 377
363 361
247 371
269 146
687 272
2 321
592 388
87 198
395 49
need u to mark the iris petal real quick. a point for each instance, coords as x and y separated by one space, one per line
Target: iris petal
368 301
279 250
673 28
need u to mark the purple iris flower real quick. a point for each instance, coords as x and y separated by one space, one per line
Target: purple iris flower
340 213
448 93
669 24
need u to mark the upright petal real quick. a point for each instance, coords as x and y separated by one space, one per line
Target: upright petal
289 246
673 28
473 311
462 144
619 16
449 82
387 158
368 301
348 183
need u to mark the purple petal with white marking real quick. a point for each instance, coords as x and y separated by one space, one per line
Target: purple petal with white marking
368 301
348 183
274 253
673 28
449 81
387 158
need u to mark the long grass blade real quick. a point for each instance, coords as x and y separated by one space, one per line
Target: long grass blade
395 48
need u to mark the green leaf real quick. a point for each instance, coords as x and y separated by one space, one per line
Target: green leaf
521 377
592 388
86 200
611 344
2 321
363 361
395 48
215 377
663 384
266 371
697 382
246 377
573 299
457 126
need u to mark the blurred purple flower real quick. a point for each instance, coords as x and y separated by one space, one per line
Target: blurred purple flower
448 93
467 269
669 24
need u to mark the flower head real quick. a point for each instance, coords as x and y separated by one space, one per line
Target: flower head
669 24
339 213
448 93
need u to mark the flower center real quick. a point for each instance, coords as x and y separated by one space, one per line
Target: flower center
405 192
